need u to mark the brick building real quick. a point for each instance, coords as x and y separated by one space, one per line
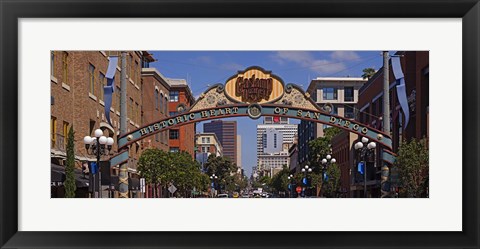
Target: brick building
180 99
76 80
415 66
155 91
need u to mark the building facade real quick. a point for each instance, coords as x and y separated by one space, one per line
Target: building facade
274 138
226 132
415 66
77 99
180 99
155 94
341 94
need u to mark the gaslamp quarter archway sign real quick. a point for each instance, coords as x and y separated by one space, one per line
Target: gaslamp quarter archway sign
256 92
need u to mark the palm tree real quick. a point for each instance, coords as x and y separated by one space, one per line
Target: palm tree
368 73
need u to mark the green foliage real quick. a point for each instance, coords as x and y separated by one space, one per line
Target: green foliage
279 182
332 184
178 168
368 73
412 163
319 148
225 170
70 186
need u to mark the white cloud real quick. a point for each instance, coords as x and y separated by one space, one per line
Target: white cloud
307 60
345 56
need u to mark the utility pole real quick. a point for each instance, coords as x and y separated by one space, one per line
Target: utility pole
386 94
123 174
386 123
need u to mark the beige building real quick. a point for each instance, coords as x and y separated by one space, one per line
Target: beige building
208 143
341 94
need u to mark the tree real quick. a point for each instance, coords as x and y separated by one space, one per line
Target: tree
368 73
331 184
279 182
319 148
69 183
412 163
224 169
152 165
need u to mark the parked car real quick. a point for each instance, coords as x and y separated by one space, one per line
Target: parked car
222 196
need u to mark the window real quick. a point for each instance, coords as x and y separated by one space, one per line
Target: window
348 92
101 83
160 103
53 130
165 106
65 134
156 99
208 140
136 72
349 111
156 137
174 134
329 93
174 149
172 114
274 140
65 67
206 149
92 126
137 113
130 109
130 65
52 63
174 96
91 74
204 140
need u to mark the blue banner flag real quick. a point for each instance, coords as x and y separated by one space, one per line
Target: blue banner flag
304 180
361 167
93 168
109 88
401 88
325 177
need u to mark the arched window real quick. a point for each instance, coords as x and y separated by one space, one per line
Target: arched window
166 104
156 99
161 102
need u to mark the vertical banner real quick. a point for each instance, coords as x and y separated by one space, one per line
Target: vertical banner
109 88
401 88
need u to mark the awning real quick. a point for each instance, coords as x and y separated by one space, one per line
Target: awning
58 175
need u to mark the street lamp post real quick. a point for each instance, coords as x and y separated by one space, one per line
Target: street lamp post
290 177
364 149
306 170
213 178
96 146
326 162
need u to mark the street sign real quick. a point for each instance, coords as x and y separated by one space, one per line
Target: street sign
299 189
172 189
142 185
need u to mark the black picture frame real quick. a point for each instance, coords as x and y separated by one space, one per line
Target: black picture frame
11 11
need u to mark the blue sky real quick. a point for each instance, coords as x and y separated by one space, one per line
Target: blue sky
204 68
